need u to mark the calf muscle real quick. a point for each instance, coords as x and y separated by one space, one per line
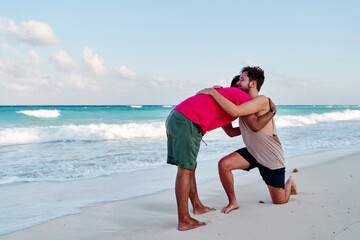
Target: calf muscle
280 195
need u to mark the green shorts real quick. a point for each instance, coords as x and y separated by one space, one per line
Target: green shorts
183 140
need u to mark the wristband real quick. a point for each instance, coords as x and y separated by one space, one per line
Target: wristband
273 112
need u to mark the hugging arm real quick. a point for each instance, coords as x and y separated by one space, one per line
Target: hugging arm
231 131
257 123
247 109
253 106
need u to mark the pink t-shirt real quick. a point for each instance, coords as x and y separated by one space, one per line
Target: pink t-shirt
203 110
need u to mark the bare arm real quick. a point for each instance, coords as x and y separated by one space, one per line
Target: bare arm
231 131
257 123
253 106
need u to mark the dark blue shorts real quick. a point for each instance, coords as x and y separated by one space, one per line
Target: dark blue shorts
274 178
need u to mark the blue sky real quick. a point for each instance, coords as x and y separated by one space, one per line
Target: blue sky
161 52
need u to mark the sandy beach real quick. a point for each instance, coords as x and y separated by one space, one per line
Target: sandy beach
327 207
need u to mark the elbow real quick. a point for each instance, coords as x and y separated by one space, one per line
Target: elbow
235 114
232 134
254 128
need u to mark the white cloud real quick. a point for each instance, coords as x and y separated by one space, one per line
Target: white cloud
122 71
222 82
21 74
161 82
33 58
82 83
96 64
23 81
4 44
33 32
290 82
7 66
20 78
64 62
249 62
17 87
16 63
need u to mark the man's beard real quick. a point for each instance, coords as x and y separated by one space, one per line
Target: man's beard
246 89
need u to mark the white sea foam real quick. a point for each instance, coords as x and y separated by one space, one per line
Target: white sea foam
100 132
92 132
297 121
8 180
41 113
136 106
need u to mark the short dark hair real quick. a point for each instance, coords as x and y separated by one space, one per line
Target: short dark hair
234 81
255 74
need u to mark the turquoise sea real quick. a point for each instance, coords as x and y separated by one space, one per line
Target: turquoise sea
56 159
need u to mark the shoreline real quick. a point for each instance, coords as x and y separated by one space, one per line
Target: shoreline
154 216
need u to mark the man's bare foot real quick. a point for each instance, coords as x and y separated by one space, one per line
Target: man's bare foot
191 224
230 207
202 210
294 190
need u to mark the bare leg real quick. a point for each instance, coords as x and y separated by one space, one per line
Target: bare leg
281 196
182 192
226 165
198 207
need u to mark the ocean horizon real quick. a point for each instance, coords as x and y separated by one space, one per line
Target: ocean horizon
56 159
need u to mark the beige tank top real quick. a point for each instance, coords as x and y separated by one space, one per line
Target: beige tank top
265 149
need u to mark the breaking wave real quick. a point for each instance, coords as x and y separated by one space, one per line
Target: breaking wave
297 121
41 113
92 132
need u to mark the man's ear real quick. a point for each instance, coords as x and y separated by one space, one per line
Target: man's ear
253 84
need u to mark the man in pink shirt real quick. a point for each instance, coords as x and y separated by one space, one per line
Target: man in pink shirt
185 126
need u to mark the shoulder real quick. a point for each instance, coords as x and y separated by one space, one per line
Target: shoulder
261 99
235 93
231 89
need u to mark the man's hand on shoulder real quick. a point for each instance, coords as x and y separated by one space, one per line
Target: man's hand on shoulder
209 91
272 106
